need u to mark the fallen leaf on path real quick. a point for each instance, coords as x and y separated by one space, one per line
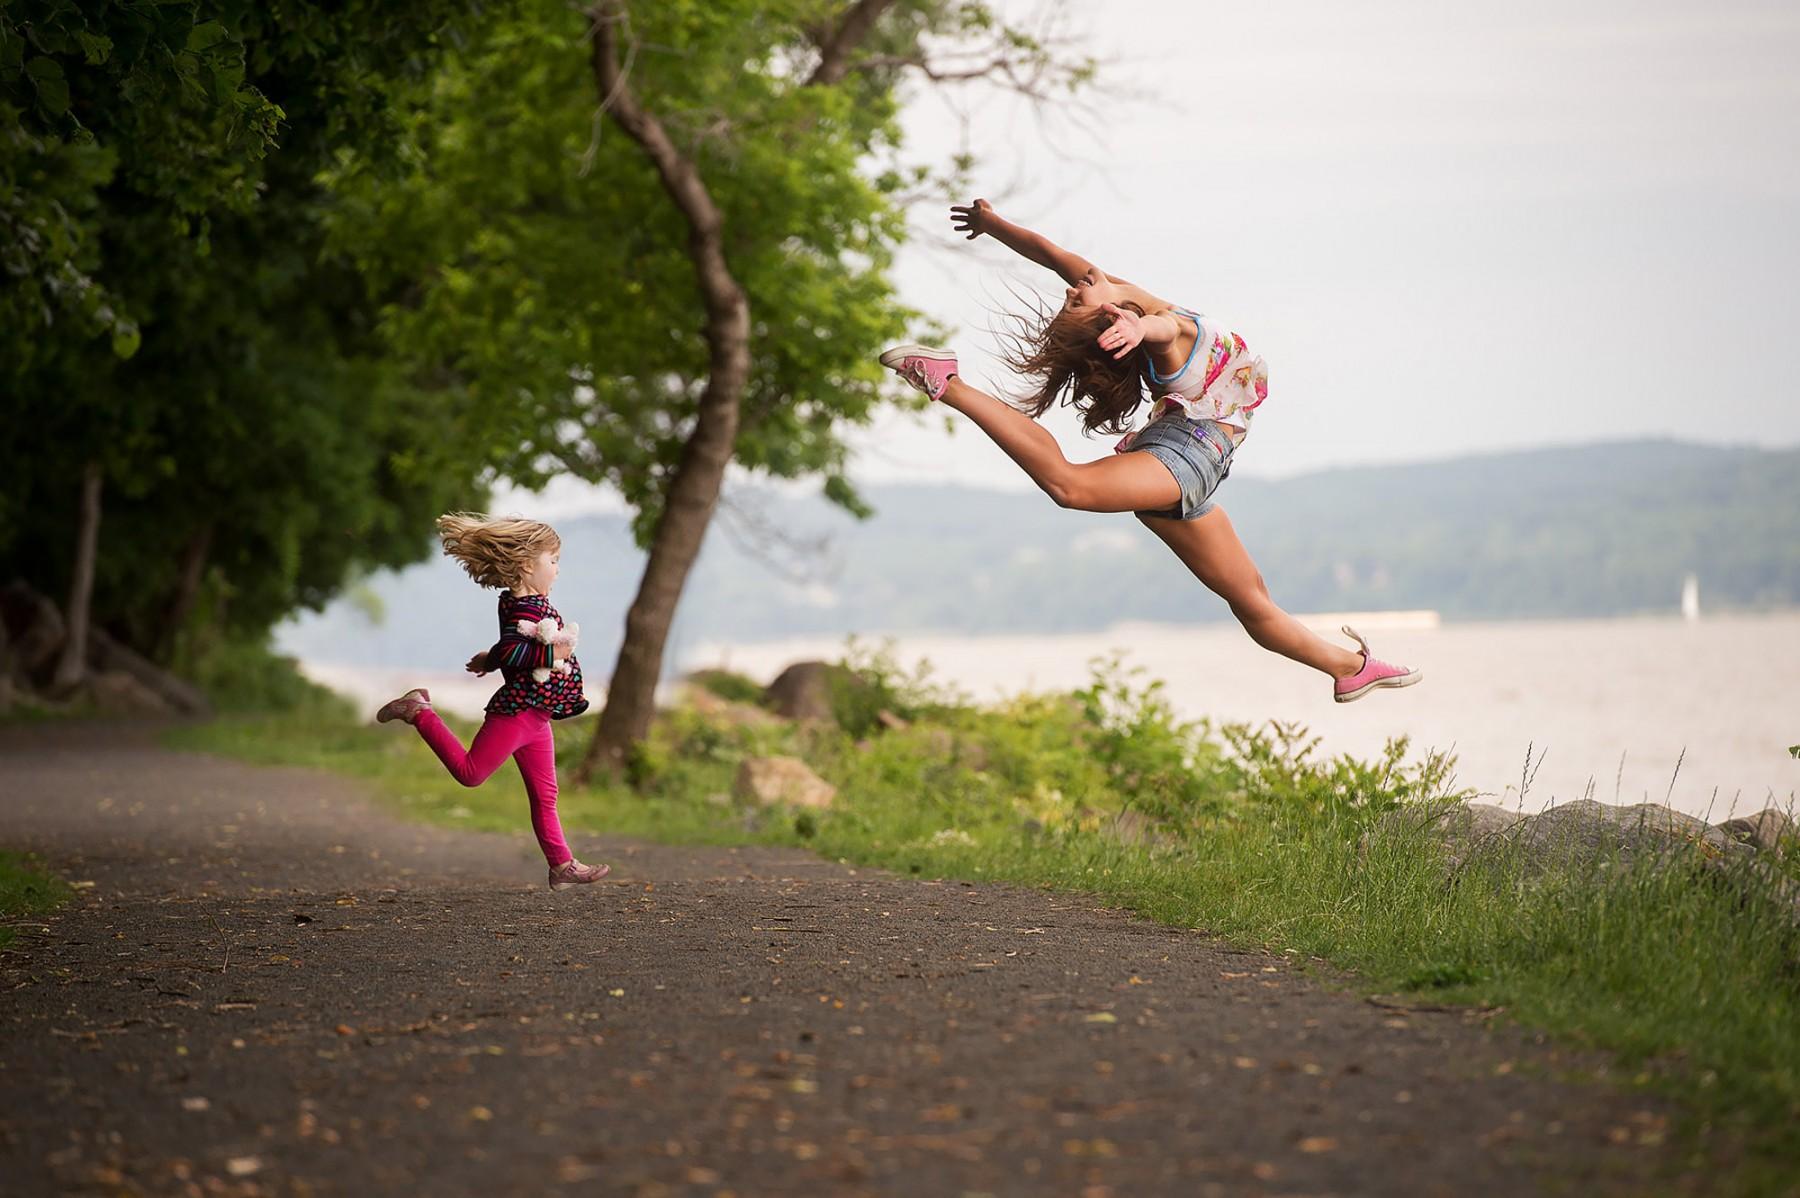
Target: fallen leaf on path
1226 973
195 1103
1244 1062
480 1114
243 1166
1102 1017
1318 1144
344 1029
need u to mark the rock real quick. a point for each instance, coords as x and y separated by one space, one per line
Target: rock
782 781
115 692
1460 829
35 629
1585 835
1764 830
1589 831
803 690
108 655
726 711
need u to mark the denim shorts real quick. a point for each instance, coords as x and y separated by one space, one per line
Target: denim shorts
1197 452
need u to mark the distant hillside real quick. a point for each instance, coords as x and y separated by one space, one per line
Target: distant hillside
1592 531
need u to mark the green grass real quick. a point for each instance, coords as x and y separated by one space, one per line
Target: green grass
1690 980
25 890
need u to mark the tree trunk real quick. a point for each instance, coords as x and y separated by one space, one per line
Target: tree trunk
694 488
187 590
71 665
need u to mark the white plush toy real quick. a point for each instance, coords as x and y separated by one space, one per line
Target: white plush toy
547 632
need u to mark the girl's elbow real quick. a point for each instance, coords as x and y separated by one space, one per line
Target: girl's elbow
1064 492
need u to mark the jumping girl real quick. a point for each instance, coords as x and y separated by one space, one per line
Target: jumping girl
536 656
1109 344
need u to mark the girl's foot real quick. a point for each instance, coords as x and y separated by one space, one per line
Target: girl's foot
407 707
929 370
1374 673
574 873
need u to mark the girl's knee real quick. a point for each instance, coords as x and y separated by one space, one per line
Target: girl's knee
1256 608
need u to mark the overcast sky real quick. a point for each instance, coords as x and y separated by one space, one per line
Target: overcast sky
1447 229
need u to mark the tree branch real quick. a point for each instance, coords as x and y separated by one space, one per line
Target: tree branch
834 54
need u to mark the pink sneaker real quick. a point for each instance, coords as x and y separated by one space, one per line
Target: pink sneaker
929 370
407 707
574 873
1374 673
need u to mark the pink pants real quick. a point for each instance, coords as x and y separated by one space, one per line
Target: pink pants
525 738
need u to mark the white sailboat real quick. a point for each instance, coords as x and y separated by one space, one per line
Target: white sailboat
1690 598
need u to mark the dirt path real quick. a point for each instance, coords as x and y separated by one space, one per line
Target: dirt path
273 986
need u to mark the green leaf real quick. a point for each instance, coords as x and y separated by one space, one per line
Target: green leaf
206 35
52 89
226 79
842 492
97 48
125 340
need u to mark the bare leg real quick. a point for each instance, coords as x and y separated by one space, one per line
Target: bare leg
1126 482
1138 482
1210 548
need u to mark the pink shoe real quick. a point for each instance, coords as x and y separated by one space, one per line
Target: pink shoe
574 873
929 370
1374 673
407 707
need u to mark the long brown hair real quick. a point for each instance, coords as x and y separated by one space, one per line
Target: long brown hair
1056 350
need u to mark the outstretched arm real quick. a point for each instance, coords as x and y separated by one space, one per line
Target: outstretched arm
979 217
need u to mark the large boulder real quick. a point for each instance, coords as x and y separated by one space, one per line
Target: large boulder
782 782
803 690
34 628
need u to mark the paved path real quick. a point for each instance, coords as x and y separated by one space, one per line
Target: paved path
274 986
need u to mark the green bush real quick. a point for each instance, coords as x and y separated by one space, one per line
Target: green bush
729 685
243 676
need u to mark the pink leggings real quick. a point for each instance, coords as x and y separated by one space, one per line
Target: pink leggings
525 738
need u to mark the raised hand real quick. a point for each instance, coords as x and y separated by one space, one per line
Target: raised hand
1125 333
973 219
478 664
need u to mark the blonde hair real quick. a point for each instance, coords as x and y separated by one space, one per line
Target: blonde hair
495 550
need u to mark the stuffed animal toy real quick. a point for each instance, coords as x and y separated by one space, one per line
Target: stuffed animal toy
547 632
